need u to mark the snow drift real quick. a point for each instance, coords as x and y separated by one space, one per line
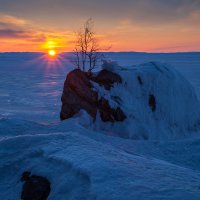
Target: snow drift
82 168
157 100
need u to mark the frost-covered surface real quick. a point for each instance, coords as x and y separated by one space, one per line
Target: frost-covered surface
79 162
177 109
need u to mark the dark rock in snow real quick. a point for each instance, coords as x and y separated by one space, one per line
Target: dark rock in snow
35 187
106 112
107 78
152 102
140 80
109 114
119 114
78 93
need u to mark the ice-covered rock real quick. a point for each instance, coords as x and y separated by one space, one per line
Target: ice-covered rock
155 99
79 94
110 65
107 78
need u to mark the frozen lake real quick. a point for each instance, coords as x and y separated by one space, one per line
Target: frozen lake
31 84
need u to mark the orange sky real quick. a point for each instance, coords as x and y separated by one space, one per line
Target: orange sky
151 27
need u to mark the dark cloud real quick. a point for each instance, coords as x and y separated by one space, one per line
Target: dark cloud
68 11
22 34
13 28
9 33
3 24
6 26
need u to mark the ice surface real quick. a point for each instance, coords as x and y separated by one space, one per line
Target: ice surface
79 162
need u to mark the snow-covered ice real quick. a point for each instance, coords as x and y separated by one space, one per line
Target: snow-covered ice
80 161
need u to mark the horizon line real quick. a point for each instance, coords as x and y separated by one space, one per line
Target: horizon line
106 52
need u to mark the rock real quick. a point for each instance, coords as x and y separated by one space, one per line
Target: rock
152 102
107 78
119 114
106 112
78 93
109 114
139 80
151 93
35 187
111 65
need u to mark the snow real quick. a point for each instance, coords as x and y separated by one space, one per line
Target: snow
110 65
80 161
177 107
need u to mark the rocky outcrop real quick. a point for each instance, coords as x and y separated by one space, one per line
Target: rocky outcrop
149 95
79 93
107 78
35 187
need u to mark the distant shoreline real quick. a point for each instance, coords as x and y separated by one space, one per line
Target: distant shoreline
186 52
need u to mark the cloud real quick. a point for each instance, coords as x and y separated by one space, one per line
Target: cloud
19 33
12 27
144 11
61 12
17 28
12 20
9 33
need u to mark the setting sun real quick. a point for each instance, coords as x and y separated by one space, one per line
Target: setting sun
52 52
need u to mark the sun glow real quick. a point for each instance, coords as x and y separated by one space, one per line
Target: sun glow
52 53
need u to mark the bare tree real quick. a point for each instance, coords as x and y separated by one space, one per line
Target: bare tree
87 51
76 60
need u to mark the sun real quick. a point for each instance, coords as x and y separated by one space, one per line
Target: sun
52 52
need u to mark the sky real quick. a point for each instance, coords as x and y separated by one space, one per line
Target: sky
125 25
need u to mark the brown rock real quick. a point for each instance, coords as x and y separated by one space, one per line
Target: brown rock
78 94
107 78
